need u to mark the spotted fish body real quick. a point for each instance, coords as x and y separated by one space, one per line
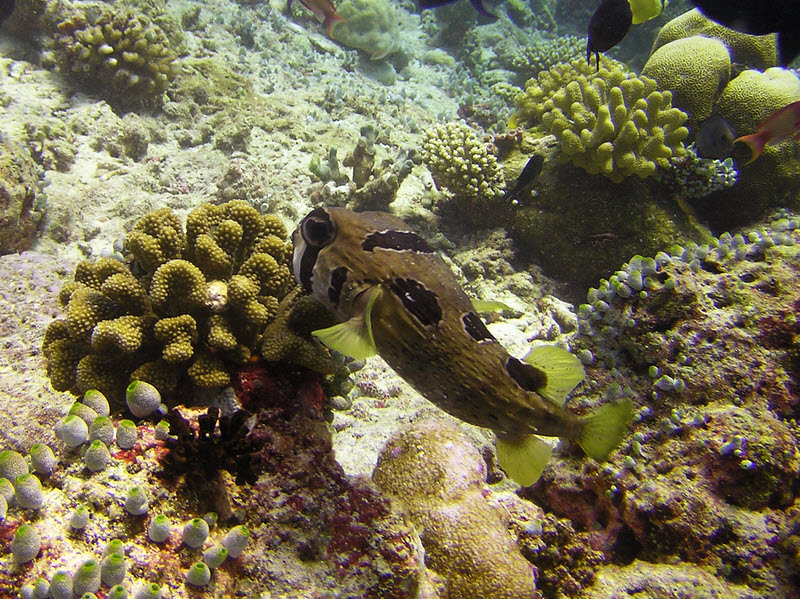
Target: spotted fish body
370 266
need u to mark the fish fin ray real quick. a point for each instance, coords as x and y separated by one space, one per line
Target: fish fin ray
564 371
523 460
603 430
353 337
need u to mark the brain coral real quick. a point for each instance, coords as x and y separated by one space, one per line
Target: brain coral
190 304
123 55
694 69
754 51
609 122
439 476
462 163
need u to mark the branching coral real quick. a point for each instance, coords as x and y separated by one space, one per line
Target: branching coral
122 54
609 122
190 304
460 162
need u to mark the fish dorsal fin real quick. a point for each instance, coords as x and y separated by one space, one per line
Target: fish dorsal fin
563 370
523 459
483 306
353 337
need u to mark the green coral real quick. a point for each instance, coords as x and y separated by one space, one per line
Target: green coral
694 69
124 55
753 51
439 476
193 302
370 25
461 163
608 122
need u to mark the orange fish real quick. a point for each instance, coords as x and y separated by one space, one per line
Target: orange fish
325 12
781 125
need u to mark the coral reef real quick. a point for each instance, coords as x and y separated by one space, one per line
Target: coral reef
21 201
191 303
705 339
609 122
698 177
438 475
121 54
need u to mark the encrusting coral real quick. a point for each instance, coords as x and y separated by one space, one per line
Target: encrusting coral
439 476
608 121
190 304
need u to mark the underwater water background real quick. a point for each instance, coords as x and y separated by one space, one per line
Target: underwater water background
155 157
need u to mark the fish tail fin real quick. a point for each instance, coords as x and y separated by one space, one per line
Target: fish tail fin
603 430
755 142
332 20
523 458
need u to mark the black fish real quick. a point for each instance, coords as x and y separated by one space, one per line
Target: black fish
607 27
476 4
6 8
760 17
525 180
714 138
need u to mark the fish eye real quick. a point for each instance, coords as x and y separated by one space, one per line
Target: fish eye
318 231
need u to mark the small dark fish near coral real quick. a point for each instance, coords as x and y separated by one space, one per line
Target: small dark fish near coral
714 138
759 17
613 18
476 4
395 296
781 125
524 183
6 8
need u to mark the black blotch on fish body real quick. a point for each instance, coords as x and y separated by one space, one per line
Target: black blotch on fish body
526 179
714 138
338 279
607 27
526 376
759 17
475 328
395 240
417 300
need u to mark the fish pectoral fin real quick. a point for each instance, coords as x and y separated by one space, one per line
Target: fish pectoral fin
482 306
564 371
353 338
603 430
523 459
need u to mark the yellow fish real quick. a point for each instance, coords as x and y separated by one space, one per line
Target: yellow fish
395 296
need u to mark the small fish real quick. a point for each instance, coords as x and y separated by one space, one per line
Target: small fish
613 18
525 181
781 125
476 4
714 138
759 17
395 296
325 12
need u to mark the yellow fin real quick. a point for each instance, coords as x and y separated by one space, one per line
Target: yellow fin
481 306
353 337
644 10
603 430
523 459
564 371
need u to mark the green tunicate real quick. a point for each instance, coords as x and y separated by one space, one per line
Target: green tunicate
3 508
42 459
127 434
102 429
136 501
83 412
86 578
79 518
28 492
195 532
114 546
118 592
12 465
6 489
159 529
97 401
113 569
142 398
214 556
61 585
236 540
198 575
26 544
73 431
97 456
147 591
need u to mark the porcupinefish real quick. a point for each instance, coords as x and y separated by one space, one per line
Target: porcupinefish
395 296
